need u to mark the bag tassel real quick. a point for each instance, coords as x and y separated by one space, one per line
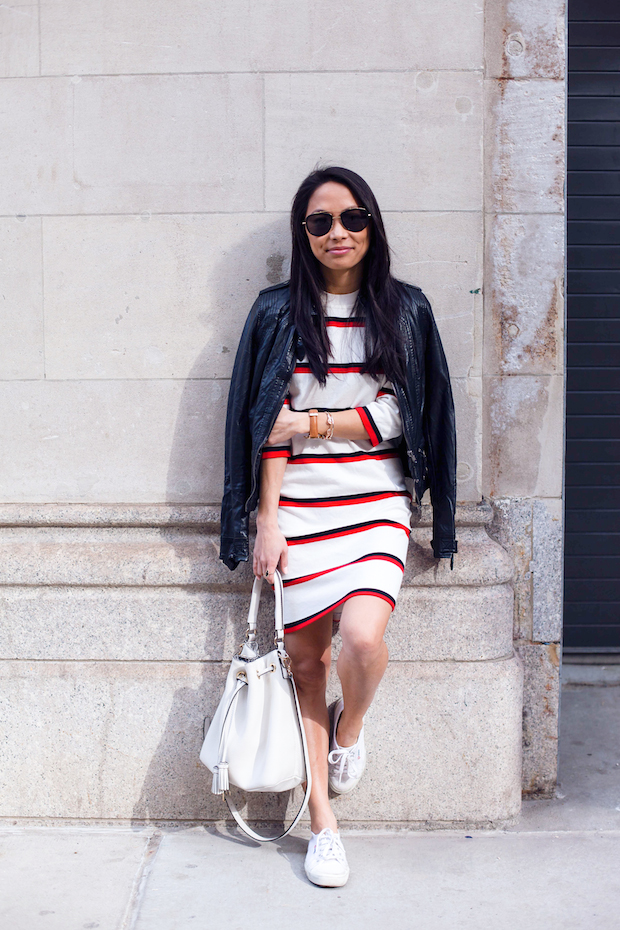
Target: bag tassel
220 782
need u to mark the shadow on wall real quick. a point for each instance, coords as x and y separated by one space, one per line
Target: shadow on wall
177 786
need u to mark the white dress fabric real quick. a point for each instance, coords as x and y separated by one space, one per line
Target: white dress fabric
344 505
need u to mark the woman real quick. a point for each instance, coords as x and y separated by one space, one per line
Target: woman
339 395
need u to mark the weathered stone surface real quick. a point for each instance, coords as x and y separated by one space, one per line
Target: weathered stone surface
19 39
525 295
525 154
468 400
276 36
524 440
547 554
525 38
21 307
429 121
88 880
158 296
189 624
101 441
130 293
133 733
440 252
540 716
181 556
512 529
154 143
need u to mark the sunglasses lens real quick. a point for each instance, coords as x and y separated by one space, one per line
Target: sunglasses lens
354 220
318 224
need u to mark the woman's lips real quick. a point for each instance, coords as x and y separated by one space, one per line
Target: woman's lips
339 251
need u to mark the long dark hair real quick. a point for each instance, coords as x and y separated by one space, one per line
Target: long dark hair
380 293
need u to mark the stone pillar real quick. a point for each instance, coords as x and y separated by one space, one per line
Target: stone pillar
524 343
118 624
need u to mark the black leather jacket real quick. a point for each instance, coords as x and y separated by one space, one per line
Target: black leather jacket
266 357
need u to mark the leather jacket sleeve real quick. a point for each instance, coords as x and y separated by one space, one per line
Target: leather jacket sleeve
439 428
238 441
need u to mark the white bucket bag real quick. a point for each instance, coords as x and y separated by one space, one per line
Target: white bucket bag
256 740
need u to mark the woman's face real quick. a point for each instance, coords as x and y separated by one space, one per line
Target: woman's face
339 249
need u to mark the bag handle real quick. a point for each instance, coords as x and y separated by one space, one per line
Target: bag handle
278 590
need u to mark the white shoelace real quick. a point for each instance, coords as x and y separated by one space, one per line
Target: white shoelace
347 756
330 847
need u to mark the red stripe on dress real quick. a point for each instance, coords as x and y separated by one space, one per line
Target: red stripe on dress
346 531
303 368
339 321
342 457
386 392
373 556
276 454
369 426
341 501
373 592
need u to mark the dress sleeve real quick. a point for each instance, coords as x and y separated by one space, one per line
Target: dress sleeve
283 450
381 418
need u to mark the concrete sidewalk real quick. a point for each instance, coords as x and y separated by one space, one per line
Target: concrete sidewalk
557 868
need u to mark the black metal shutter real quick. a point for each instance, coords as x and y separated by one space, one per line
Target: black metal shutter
592 542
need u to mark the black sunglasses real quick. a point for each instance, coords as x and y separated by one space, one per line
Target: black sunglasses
354 219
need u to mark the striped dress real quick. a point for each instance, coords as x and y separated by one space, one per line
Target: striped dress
344 506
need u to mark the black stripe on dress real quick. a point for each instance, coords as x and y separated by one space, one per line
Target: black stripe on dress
297 625
341 500
345 531
370 557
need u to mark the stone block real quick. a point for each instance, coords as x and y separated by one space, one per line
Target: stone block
442 254
181 624
512 529
525 38
524 306
524 144
155 296
126 737
276 36
479 561
468 410
541 700
548 575
133 144
414 137
21 308
19 39
101 441
524 440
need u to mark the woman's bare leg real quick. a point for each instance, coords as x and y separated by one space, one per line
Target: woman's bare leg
362 660
310 652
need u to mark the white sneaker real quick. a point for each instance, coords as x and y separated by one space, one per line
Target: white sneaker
345 764
326 861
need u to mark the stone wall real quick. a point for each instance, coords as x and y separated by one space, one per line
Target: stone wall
152 151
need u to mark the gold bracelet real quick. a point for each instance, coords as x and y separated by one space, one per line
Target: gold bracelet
329 432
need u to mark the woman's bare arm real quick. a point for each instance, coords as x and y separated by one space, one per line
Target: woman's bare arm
347 425
270 548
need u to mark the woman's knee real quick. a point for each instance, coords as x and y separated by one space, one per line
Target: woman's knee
363 646
310 671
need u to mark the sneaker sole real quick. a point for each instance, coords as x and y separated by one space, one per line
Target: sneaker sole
328 881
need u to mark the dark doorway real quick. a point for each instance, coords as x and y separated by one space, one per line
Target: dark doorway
592 542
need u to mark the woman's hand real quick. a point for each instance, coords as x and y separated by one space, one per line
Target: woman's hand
288 424
270 549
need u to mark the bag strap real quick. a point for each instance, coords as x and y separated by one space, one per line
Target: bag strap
234 810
